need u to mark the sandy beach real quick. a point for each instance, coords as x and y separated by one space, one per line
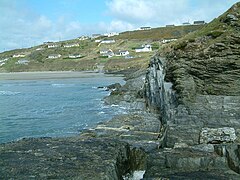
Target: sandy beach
48 75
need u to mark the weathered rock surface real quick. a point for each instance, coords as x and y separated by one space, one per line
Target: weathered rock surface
217 135
201 106
64 158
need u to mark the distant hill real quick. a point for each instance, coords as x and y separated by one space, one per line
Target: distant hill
87 52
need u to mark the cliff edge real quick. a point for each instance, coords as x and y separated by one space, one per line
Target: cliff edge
194 84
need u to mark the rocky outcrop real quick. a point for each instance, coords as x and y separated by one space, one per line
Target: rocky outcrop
64 158
200 111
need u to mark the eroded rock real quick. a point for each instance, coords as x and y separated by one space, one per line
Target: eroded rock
217 135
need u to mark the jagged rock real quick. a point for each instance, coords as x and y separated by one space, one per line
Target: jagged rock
114 87
217 135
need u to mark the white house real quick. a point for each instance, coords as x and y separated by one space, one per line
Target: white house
54 56
74 56
98 40
18 55
3 61
52 45
121 53
111 34
144 48
168 40
108 41
71 45
22 62
39 49
107 52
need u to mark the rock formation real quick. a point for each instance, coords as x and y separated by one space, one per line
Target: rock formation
183 121
194 84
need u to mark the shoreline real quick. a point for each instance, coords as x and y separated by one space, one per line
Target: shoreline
52 75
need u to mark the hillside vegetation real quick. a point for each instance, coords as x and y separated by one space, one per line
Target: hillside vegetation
37 58
207 61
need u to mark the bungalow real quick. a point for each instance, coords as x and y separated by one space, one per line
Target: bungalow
52 45
98 40
186 23
107 52
71 45
19 55
170 25
145 28
22 62
74 56
39 49
3 60
168 40
54 56
144 48
121 53
111 34
199 22
108 41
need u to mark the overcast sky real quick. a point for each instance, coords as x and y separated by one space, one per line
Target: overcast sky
25 23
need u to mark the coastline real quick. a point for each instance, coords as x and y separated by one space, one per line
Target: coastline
51 75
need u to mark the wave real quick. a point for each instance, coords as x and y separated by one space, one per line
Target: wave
62 85
8 93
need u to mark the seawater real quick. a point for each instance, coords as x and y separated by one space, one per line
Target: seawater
53 107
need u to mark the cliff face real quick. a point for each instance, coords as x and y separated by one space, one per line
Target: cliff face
207 61
195 87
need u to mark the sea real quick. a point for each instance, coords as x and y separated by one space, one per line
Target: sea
54 107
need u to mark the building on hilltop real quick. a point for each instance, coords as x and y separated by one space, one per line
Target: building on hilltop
111 34
186 23
145 28
199 22
53 45
170 25
54 56
144 48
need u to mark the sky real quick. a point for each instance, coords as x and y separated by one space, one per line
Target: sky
26 23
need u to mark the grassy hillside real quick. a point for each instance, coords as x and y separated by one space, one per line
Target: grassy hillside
160 33
37 57
207 61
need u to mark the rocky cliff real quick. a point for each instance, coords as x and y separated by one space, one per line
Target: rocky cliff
194 84
183 120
